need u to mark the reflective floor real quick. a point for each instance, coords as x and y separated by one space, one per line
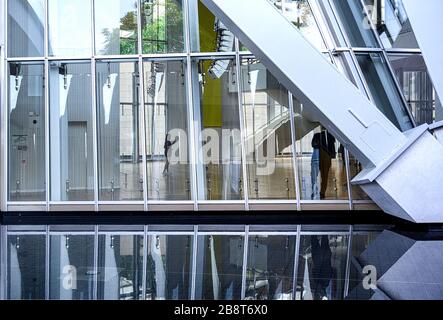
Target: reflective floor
221 262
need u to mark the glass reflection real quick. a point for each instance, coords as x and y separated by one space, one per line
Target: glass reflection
116 29
355 167
120 267
299 13
416 84
219 267
68 37
162 26
169 267
356 24
72 165
320 159
360 242
120 148
26 165
26 267
270 267
208 33
391 22
26 20
268 140
383 89
322 267
71 267
219 170
166 130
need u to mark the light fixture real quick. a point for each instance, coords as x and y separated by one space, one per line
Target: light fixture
63 70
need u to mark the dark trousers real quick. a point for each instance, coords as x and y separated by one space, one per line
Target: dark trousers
325 166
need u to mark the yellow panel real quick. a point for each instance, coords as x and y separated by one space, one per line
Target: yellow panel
212 99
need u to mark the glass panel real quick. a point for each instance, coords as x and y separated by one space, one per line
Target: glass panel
219 267
416 84
162 26
213 36
120 148
355 168
321 161
166 130
355 23
169 271
69 28
299 13
71 267
26 168
26 20
270 271
72 165
391 21
26 267
120 261
268 134
116 27
322 267
219 170
360 242
383 89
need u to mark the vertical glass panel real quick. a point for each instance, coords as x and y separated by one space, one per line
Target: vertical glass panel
360 242
322 267
299 13
356 25
355 168
219 170
219 267
71 271
116 29
268 139
166 130
26 167
412 75
320 159
270 270
120 148
71 129
391 21
26 20
162 26
26 267
208 33
169 267
69 27
383 89
120 263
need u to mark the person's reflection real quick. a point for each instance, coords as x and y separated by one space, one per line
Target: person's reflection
322 271
323 144
167 146
279 265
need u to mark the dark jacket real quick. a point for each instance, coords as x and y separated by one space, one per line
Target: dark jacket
325 142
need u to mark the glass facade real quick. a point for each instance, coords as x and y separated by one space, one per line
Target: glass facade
193 263
157 103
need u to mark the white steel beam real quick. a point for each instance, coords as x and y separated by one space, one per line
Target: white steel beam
427 23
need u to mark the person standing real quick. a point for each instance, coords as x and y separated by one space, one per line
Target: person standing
167 146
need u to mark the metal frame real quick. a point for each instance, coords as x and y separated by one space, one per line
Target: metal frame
188 55
246 234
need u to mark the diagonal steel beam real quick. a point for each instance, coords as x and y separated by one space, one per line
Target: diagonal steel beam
403 171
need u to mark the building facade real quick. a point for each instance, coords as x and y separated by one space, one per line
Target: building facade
155 105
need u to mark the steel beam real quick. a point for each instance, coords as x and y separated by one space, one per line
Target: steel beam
402 170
